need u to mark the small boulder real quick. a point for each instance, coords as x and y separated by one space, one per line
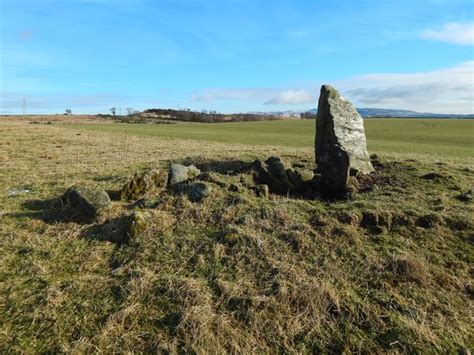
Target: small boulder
147 202
273 172
142 183
277 167
181 173
300 178
137 223
124 229
87 202
199 191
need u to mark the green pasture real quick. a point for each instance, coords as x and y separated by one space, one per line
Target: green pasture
435 137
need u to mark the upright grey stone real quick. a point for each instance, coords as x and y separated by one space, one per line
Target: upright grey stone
340 142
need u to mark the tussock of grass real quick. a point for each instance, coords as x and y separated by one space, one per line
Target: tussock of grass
387 271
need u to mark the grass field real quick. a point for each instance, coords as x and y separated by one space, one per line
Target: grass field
436 137
387 271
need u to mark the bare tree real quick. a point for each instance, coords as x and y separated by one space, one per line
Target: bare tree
131 111
113 110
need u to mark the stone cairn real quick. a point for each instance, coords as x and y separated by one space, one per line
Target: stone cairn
340 147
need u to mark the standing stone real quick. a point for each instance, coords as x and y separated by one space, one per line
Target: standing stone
340 143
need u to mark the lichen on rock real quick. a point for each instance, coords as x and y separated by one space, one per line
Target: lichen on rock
143 183
340 143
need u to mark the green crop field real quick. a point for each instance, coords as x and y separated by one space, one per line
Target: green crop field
434 137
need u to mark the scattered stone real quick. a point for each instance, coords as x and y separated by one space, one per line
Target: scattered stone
122 230
467 196
137 223
142 183
114 230
87 201
305 175
340 143
199 191
277 167
273 172
300 178
147 202
181 173
261 190
282 179
213 178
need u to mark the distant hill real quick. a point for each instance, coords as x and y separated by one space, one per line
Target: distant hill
285 114
380 112
157 115
369 112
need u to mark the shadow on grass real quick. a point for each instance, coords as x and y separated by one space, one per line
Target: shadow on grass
227 167
113 230
52 211
113 194
107 178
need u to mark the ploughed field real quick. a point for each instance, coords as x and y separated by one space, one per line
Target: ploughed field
388 270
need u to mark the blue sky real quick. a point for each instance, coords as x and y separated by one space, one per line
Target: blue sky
236 55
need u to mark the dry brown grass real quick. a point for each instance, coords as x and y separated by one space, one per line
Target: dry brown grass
235 273
56 119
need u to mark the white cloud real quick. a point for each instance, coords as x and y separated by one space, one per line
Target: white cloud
269 96
292 97
238 94
449 90
12 102
457 33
